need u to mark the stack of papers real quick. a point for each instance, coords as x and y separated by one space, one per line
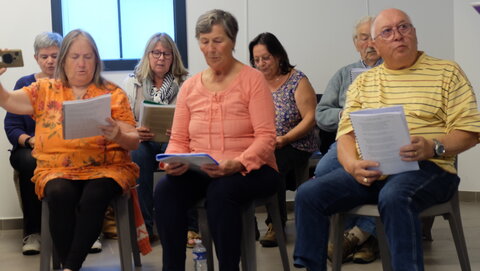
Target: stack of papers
476 6
81 118
158 118
380 134
196 159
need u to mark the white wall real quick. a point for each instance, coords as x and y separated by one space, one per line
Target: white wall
316 34
467 54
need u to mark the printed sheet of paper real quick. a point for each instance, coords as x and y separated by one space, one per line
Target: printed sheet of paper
158 118
81 118
196 159
380 134
354 72
476 6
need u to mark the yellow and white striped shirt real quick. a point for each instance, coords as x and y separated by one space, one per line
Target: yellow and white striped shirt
435 94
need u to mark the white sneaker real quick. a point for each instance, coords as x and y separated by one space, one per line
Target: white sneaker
96 247
31 244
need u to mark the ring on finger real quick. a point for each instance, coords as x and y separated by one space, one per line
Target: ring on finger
365 179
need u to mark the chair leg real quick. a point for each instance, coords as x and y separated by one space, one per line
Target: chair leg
459 239
338 220
248 256
133 235
273 210
206 237
120 205
383 246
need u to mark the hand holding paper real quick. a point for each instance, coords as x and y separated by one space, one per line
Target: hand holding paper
110 131
380 134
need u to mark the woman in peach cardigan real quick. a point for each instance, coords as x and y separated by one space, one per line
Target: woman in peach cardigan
226 111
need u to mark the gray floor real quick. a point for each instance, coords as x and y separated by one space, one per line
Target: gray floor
440 255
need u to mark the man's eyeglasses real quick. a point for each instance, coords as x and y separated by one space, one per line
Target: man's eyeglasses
388 33
157 54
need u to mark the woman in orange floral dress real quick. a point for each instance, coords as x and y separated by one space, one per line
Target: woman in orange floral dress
77 177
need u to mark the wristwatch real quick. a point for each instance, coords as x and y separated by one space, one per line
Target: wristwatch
438 149
27 143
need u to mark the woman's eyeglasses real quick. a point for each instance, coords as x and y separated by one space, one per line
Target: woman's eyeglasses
157 54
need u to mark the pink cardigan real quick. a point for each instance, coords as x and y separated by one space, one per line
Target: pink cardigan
236 123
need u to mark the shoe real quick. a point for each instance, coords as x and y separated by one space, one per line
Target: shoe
31 244
350 243
368 251
96 247
191 236
269 239
109 227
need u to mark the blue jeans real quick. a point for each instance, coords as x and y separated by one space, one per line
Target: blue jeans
330 162
144 157
400 198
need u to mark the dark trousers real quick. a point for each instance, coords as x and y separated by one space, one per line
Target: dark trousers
144 157
225 199
77 209
22 161
293 167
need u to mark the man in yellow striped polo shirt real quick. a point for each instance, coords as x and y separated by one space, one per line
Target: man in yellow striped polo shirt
443 119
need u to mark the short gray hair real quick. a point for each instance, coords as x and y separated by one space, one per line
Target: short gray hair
217 17
364 19
60 74
143 71
45 40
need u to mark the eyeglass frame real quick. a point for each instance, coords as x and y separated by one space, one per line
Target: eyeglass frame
265 58
404 32
166 55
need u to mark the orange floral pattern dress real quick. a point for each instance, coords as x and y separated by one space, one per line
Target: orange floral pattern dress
77 159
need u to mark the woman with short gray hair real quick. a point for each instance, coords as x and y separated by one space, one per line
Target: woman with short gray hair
226 111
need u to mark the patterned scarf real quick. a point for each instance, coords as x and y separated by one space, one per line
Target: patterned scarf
163 95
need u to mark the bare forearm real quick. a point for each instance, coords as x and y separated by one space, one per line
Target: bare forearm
302 128
128 140
16 102
347 152
458 141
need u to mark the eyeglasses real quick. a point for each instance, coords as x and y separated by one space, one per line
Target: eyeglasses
157 54
262 58
388 33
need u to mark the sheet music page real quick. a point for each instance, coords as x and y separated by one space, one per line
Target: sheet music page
158 118
380 134
476 6
81 118
354 72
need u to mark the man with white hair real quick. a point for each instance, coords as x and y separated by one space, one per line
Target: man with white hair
443 120
359 244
